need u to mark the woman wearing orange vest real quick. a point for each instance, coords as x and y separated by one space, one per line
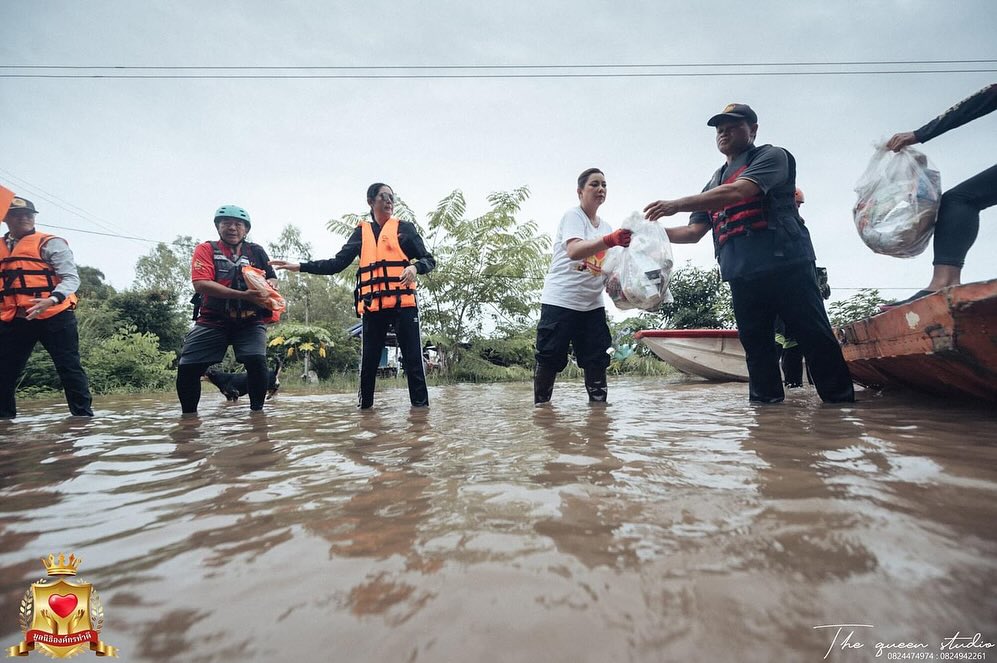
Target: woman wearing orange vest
39 282
391 254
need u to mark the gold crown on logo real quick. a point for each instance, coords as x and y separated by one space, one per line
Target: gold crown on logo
61 567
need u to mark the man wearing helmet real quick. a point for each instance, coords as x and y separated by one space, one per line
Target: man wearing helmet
227 311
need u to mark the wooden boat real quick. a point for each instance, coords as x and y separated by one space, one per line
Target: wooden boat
944 344
714 354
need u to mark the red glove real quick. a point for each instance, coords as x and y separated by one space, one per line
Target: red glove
619 237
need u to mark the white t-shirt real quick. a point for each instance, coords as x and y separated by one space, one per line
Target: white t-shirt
575 284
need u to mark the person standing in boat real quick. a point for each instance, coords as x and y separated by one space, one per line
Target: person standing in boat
765 253
391 255
959 214
571 307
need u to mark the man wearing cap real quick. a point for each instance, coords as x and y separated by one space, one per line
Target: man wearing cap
39 282
765 253
227 311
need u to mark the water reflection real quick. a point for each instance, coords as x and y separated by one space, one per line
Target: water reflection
679 522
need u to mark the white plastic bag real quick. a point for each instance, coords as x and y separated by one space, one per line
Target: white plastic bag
898 197
638 276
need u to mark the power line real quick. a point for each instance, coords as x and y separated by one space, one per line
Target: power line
826 63
880 72
94 232
37 192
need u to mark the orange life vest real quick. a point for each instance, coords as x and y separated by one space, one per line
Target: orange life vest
25 276
382 262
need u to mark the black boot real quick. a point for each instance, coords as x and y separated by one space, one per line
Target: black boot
595 384
543 384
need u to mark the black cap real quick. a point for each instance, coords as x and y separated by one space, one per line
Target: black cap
734 112
22 203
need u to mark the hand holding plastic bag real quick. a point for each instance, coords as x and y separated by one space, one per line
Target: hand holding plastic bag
638 276
257 280
898 197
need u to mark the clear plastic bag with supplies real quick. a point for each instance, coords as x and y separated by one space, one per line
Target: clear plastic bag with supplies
637 276
898 198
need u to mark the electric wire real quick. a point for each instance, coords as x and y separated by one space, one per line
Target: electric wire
500 71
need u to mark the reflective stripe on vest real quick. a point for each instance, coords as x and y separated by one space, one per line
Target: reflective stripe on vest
25 276
744 215
382 262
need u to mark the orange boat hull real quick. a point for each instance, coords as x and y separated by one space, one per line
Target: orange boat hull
944 344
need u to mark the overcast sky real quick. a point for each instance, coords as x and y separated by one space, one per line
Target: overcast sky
155 158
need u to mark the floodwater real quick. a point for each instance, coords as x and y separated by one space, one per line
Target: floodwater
678 524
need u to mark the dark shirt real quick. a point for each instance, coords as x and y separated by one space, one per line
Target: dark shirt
754 253
408 239
967 110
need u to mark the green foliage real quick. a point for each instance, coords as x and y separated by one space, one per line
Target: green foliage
92 285
152 312
167 267
312 297
291 338
490 267
39 374
470 367
516 351
702 300
96 319
864 304
128 361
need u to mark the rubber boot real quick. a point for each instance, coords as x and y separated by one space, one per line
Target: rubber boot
595 384
543 384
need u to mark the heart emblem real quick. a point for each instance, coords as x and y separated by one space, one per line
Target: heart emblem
63 604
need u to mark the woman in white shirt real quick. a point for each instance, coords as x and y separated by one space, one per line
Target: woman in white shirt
571 310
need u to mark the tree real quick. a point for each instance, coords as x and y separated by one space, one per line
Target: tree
152 312
92 285
167 267
861 305
128 361
702 300
490 268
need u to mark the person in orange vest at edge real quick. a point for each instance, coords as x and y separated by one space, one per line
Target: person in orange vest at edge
958 221
39 279
765 253
391 255
571 308
226 310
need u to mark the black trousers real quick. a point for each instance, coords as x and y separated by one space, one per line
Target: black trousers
959 216
405 320
793 294
585 331
60 337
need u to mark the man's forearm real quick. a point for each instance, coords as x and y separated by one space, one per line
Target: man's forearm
714 199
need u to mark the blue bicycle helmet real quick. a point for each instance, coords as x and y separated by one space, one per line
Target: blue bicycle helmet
233 212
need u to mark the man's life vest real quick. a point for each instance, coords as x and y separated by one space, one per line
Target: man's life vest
26 276
775 210
382 262
229 272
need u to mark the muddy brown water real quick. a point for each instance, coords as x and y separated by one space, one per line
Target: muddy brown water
679 523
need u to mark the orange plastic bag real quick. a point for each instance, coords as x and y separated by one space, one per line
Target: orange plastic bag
257 280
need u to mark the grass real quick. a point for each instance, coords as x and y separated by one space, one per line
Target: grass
470 369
